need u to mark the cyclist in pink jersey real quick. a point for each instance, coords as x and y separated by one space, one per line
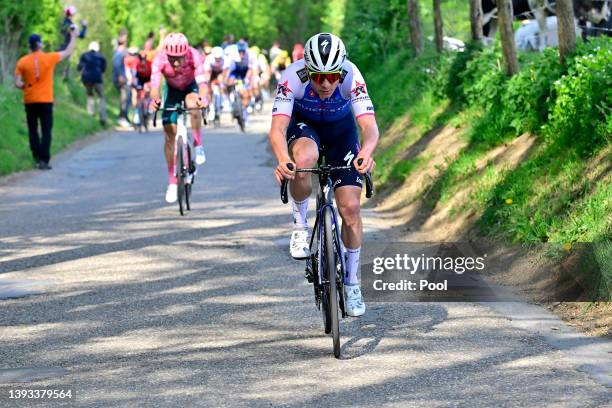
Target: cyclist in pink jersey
182 67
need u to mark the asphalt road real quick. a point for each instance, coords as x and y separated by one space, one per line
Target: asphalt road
108 291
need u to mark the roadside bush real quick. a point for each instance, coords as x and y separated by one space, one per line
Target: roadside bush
580 115
527 99
483 79
451 81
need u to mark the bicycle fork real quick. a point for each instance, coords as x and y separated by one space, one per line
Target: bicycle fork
313 271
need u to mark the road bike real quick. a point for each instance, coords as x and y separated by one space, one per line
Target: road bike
217 105
236 102
326 266
142 108
184 150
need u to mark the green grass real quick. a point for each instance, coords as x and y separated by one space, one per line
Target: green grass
70 122
552 200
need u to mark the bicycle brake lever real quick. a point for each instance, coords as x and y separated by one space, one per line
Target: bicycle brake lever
283 187
368 180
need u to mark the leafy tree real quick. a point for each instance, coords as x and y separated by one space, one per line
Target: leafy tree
19 19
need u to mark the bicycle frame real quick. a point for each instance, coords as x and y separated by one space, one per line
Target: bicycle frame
325 201
331 293
185 173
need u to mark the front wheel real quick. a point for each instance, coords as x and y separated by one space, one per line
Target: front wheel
330 288
180 174
238 114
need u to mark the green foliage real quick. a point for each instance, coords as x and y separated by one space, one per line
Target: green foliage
116 13
581 112
527 100
374 29
548 196
483 79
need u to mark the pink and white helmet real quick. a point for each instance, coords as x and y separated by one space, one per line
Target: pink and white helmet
176 45
70 11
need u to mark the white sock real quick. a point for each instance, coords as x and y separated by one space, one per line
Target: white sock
352 266
300 208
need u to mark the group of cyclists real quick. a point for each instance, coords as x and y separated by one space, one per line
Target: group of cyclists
224 66
319 102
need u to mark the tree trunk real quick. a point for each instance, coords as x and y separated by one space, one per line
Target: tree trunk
439 35
416 37
504 10
566 29
9 50
476 20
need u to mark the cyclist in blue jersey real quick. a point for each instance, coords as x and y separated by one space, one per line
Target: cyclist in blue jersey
240 68
318 100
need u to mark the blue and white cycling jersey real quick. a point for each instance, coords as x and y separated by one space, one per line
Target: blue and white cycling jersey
294 94
237 67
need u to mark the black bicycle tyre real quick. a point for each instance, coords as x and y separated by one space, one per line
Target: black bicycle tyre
238 110
331 287
188 185
180 175
144 116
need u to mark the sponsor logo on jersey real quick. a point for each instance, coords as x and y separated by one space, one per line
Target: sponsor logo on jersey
283 88
337 182
359 180
274 110
359 89
302 74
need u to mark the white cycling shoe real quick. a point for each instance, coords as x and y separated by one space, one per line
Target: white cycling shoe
200 158
298 246
171 193
354 301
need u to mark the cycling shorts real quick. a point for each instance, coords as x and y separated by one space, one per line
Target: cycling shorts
174 97
245 82
338 143
142 81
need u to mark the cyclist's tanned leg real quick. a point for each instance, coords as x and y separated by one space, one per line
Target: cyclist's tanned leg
170 135
304 153
347 199
196 118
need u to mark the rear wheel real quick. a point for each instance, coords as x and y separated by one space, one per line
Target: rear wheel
180 174
330 289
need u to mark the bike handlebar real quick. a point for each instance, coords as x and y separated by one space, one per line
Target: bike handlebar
325 169
180 110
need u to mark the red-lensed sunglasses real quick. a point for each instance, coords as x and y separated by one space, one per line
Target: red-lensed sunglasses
320 77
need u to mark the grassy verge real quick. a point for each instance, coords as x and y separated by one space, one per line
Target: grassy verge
560 191
70 122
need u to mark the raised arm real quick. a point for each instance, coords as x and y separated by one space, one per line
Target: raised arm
66 53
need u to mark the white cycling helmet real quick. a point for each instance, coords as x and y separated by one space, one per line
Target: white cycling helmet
217 52
324 52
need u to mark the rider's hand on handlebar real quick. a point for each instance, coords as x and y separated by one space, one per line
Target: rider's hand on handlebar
202 101
282 172
364 162
155 104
